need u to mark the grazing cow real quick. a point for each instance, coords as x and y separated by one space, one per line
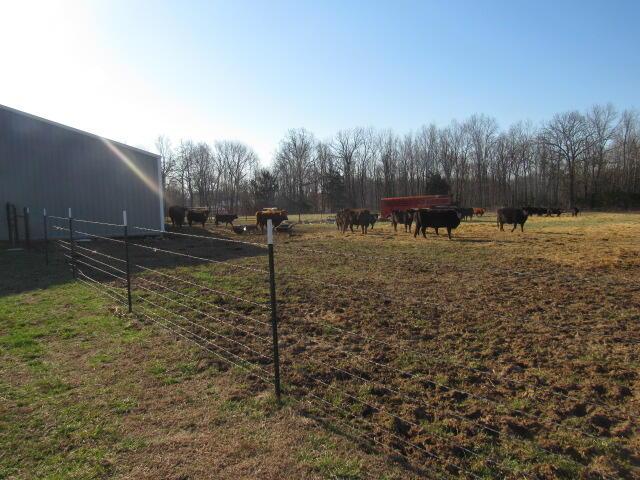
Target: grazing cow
479 212
276 216
436 218
554 211
539 211
575 211
197 216
176 213
360 217
514 216
226 219
402 217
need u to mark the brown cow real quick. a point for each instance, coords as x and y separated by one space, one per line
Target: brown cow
478 212
361 217
276 216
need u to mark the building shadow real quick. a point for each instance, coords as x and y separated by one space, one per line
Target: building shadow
105 260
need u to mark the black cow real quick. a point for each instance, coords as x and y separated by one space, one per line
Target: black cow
373 219
402 217
466 213
436 218
198 216
554 211
176 213
226 219
575 211
514 216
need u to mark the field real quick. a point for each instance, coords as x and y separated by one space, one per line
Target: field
493 355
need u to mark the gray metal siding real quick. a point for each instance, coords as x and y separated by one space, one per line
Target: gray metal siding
45 165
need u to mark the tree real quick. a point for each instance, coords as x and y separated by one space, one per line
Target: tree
568 135
263 189
167 158
294 168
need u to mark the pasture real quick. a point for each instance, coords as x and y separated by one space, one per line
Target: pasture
492 355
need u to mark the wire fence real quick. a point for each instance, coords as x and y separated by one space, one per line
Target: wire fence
336 373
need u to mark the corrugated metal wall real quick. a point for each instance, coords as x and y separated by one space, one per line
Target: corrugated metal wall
46 165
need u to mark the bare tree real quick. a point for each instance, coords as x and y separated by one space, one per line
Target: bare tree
167 158
568 135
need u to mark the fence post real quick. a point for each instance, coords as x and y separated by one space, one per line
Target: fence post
72 244
16 236
46 236
9 226
126 255
27 233
274 315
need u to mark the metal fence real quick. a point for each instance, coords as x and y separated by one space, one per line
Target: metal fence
359 389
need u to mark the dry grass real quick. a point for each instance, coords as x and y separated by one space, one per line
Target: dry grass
523 346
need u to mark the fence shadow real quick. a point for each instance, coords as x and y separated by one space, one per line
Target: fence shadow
25 269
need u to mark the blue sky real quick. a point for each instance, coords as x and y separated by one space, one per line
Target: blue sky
246 70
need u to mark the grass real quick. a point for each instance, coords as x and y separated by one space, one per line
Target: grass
87 391
552 309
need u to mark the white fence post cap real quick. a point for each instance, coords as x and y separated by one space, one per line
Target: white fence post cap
269 231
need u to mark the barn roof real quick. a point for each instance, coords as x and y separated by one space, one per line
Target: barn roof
76 130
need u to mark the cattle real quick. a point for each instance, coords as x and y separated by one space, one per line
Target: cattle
197 216
373 219
479 212
176 213
554 211
575 211
436 218
402 217
340 219
466 213
514 216
360 217
275 215
226 219
539 211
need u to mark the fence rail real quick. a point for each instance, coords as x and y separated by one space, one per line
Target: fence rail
243 332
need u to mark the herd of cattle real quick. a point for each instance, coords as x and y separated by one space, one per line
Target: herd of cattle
196 215
440 217
448 217
200 215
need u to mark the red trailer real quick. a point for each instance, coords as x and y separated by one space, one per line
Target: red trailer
387 205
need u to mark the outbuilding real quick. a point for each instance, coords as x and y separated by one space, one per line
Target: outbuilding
46 165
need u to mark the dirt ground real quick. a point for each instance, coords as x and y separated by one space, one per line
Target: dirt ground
492 355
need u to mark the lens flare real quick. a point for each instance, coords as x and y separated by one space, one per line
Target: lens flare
132 166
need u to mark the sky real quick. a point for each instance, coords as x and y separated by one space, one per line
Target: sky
131 70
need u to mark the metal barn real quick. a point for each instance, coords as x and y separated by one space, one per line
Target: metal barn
46 165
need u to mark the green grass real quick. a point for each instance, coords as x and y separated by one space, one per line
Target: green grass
51 432
321 454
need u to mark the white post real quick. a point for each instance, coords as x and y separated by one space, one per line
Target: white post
269 232
124 217
69 212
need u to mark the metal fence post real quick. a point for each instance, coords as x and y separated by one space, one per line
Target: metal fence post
126 254
27 233
274 315
14 214
46 236
9 225
72 244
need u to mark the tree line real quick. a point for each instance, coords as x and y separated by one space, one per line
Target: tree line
588 159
